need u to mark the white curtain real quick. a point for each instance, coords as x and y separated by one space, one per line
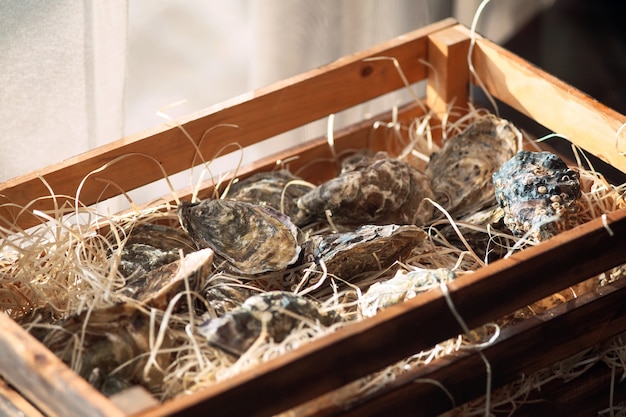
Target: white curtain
77 74
61 80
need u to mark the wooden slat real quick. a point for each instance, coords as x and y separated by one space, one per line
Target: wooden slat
313 159
259 115
448 73
134 399
523 348
44 379
551 102
12 404
364 347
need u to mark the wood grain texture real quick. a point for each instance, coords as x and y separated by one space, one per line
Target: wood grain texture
12 404
44 380
448 73
522 348
552 103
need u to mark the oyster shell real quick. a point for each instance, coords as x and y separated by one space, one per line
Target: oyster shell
157 287
403 286
223 295
461 171
268 188
279 312
252 239
113 336
381 190
150 246
537 192
368 248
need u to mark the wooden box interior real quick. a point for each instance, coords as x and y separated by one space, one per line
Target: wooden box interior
437 54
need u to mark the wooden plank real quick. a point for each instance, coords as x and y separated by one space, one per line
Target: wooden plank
12 404
44 379
134 399
364 347
551 102
313 159
583 396
448 73
523 348
259 115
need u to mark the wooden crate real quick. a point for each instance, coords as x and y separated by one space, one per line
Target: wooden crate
437 54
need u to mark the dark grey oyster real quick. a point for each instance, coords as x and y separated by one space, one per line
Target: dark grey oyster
252 239
279 312
273 189
403 286
223 295
113 336
461 171
383 190
150 246
157 287
537 192
368 248
357 160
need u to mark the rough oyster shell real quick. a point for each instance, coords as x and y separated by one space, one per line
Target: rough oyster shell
461 171
268 188
113 336
157 287
368 248
252 239
403 286
382 190
223 295
150 246
537 192
279 312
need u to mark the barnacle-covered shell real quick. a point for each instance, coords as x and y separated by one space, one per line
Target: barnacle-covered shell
277 189
157 287
403 286
383 190
461 171
279 312
538 191
113 336
150 246
252 239
368 248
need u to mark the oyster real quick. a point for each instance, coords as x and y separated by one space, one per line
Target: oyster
381 190
537 192
368 248
273 189
150 246
460 172
279 312
252 239
403 286
223 295
113 336
157 287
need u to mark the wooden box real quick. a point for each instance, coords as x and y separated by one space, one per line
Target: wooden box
39 383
